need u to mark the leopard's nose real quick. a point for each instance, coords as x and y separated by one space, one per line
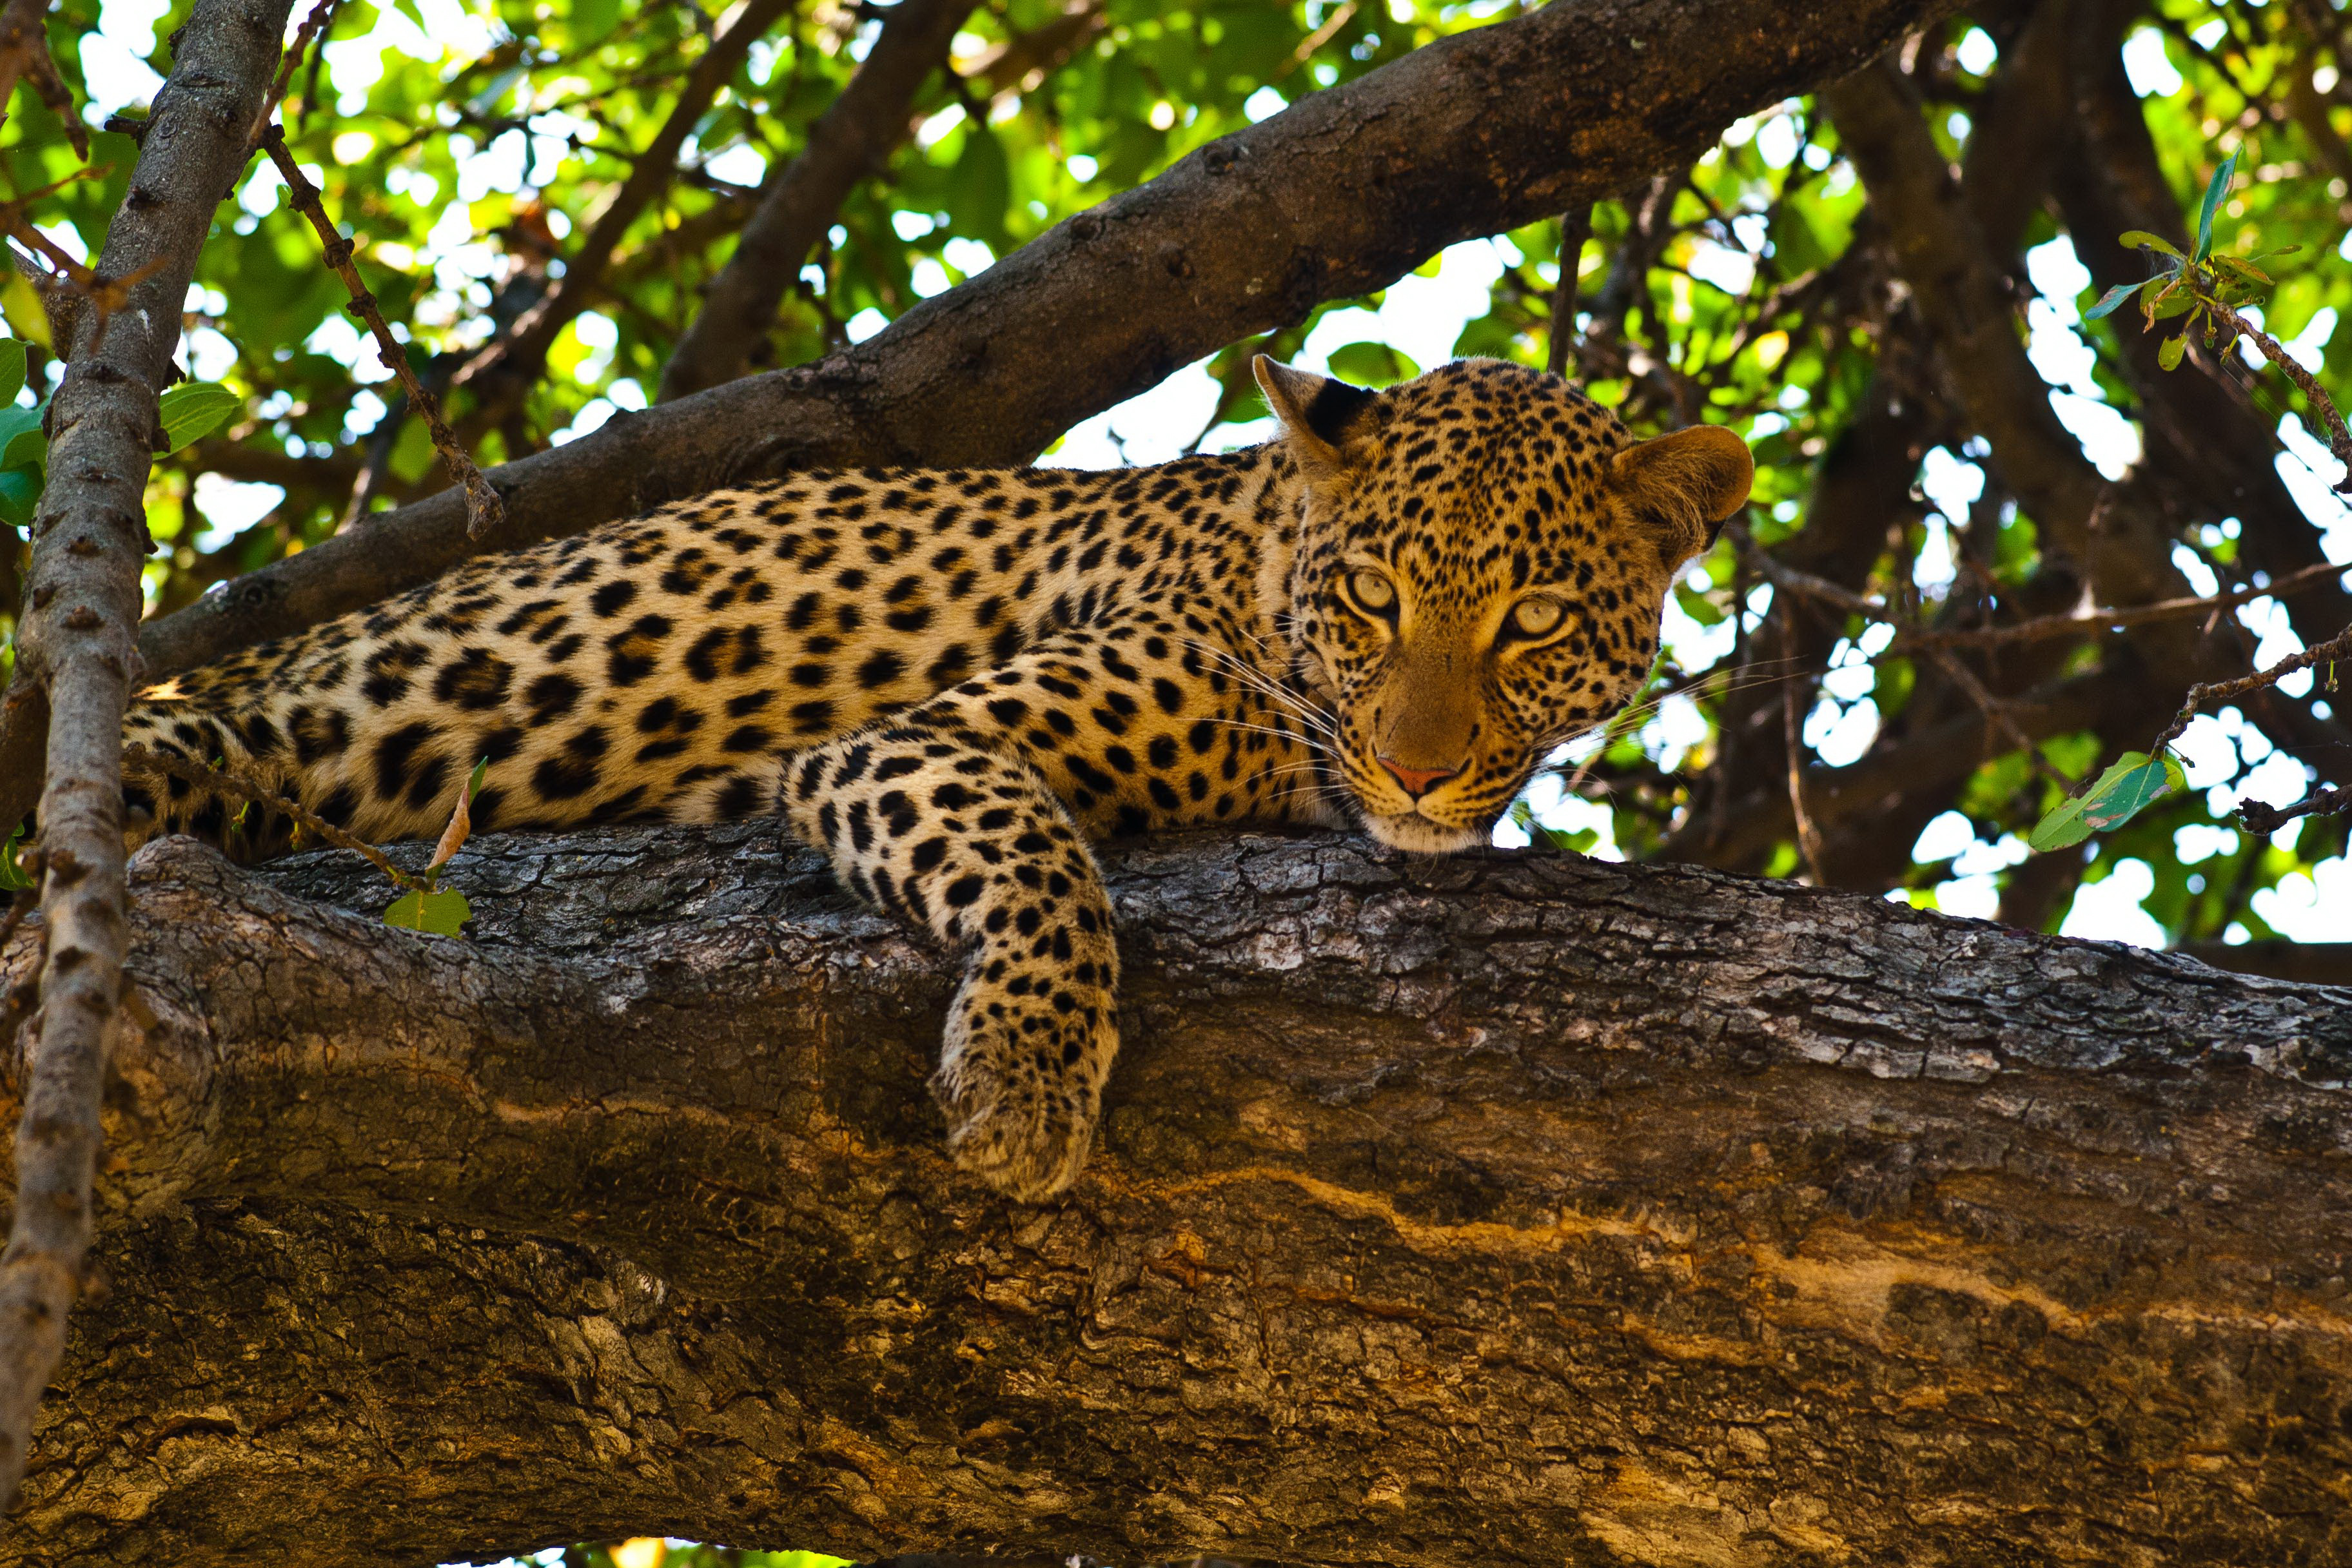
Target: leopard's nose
1417 782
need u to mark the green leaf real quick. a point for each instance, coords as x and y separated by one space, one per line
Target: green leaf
1698 606
20 492
11 370
2136 237
195 409
22 445
2131 785
2245 269
12 875
1371 365
474 780
441 913
2110 300
27 449
2213 193
2181 301
2169 356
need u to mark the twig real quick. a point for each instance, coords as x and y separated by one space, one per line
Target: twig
2338 646
2258 817
484 510
2339 439
233 783
1909 636
78 641
1808 837
314 31
1575 228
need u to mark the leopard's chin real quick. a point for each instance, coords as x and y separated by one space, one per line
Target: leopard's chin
1419 835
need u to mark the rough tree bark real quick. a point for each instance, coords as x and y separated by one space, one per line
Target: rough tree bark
78 664
1497 1210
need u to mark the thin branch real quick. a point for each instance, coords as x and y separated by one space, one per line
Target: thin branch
484 509
314 31
77 643
2339 439
2258 817
228 780
1909 635
508 366
1575 228
1808 837
2338 646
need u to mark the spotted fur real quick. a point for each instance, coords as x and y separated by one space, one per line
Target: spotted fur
952 681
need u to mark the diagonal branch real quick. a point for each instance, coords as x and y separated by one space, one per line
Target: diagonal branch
856 132
79 663
510 366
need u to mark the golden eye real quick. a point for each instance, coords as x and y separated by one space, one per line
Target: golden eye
1536 617
1372 593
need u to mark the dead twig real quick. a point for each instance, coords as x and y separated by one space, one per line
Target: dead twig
230 782
2256 816
484 510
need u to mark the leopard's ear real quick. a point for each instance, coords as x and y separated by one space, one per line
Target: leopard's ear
1682 489
1320 415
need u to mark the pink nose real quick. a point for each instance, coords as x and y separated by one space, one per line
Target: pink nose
1417 782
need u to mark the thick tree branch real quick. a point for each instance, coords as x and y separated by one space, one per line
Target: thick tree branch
89 537
861 128
1940 251
1499 1210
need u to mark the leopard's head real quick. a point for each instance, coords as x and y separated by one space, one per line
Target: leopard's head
1481 560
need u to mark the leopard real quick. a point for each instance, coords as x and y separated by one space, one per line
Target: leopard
954 683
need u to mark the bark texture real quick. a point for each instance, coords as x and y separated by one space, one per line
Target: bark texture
89 534
1495 1210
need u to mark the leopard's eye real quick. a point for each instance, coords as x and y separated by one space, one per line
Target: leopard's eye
1537 615
1371 592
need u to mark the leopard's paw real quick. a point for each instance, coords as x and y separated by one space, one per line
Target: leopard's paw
1023 1089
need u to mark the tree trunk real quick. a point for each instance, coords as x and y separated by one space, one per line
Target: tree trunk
1496 1210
